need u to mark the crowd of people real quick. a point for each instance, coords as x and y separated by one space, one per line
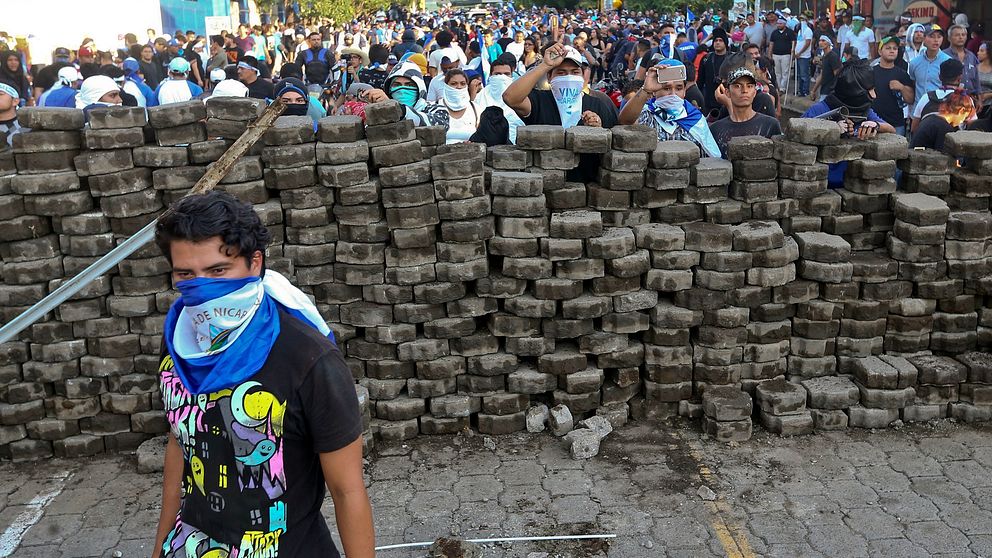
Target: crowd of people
483 73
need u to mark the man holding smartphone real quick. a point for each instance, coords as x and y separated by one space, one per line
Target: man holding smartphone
661 104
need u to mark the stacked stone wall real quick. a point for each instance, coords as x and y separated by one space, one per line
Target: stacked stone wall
465 285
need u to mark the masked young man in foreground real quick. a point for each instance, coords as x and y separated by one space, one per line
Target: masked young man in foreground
261 406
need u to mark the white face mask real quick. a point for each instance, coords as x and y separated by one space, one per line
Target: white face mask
497 85
672 105
567 91
455 99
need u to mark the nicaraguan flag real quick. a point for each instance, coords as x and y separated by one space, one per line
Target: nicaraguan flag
484 55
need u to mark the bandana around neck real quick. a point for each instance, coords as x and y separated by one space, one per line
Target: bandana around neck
220 331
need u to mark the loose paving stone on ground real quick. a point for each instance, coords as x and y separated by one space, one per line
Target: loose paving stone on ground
919 490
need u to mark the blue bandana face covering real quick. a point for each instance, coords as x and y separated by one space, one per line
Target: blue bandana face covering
220 331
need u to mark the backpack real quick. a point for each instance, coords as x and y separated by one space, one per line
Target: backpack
321 56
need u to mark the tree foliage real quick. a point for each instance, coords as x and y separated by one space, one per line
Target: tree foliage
340 10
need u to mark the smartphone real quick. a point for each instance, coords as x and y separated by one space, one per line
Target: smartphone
671 73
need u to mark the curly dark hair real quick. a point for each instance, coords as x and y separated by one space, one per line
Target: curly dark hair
215 213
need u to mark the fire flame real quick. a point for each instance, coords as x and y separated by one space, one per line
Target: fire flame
957 108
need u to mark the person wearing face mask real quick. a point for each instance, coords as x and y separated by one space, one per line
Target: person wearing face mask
405 85
494 113
463 116
854 91
662 106
249 356
293 94
98 91
565 103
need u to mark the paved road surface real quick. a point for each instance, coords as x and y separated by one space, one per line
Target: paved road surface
917 491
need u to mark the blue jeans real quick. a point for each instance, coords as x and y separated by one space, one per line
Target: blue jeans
803 76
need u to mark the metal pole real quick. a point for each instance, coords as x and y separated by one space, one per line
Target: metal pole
207 182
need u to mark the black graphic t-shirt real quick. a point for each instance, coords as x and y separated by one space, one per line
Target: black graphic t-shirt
252 480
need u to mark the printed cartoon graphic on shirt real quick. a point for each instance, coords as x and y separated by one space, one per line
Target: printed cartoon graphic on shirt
232 443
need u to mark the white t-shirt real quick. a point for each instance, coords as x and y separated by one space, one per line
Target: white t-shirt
452 53
462 128
516 49
861 41
174 91
805 34
435 89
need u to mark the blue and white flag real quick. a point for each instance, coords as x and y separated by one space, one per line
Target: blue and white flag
484 55
689 16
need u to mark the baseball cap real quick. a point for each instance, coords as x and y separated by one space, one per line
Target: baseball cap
888 39
935 29
574 56
178 66
61 54
217 75
172 42
84 51
739 73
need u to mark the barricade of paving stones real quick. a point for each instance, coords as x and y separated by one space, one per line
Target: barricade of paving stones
466 286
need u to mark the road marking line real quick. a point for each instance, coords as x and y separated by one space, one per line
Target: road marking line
731 535
10 539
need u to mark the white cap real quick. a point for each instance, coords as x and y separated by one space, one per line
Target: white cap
218 74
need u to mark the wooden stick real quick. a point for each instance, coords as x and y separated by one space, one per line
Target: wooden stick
207 182
255 131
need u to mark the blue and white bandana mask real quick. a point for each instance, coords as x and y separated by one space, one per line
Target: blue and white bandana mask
220 331
567 91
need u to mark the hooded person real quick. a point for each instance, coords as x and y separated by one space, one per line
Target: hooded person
708 77
915 34
63 92
293 93
98 91
15 76
661 105
853 93
117 74
405 85
229 88
136 86
408 44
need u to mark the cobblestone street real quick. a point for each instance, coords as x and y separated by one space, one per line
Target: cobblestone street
923 490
